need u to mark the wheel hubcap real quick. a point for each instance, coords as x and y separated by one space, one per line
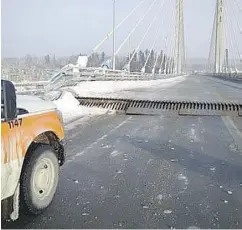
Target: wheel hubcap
43 178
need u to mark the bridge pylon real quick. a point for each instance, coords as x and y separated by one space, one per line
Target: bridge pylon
219 39
180 49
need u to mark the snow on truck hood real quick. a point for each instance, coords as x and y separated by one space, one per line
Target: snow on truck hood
34 104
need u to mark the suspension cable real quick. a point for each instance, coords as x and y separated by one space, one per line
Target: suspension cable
183 64
165 41
167 55
156 59
230 38
117 27
136 26
163 55
238 5
145 34
171 50
212 42
227 44
164 52
171 41
231 26
239 28
155 40
173 53
152 47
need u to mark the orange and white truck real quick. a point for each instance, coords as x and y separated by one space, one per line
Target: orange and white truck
32 152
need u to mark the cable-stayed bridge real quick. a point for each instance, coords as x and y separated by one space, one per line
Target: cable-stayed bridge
169 36
170 157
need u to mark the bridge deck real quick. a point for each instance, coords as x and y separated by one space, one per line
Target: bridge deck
151 172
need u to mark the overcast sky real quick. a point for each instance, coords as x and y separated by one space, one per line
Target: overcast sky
66 27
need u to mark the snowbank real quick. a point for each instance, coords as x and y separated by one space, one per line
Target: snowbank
70 106
106 88
71 109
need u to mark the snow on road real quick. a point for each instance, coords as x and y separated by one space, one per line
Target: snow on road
70 106
112 88
71 109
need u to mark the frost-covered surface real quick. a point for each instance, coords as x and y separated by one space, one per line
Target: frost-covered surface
112 88
71 109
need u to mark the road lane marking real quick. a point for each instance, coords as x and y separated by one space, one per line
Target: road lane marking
231 127
99 139
233 130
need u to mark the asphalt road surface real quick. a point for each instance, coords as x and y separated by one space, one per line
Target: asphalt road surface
199 88
152 171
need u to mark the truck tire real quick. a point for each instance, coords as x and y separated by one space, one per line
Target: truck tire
39 179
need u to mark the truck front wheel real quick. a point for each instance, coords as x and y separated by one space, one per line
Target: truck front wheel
39 179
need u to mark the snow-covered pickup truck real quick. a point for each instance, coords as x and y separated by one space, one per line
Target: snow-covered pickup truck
32 152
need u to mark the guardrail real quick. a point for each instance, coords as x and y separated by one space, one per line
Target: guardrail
68 77
229 75
235 77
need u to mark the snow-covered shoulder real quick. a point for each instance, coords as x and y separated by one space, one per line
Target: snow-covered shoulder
112 88
70 108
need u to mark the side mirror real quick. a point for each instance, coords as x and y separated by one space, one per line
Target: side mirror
8 100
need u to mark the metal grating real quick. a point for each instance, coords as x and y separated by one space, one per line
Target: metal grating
118 105
145 107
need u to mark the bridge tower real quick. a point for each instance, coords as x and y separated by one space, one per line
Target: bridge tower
219 37
180 49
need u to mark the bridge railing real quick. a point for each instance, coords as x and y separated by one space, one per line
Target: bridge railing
68 77
234 75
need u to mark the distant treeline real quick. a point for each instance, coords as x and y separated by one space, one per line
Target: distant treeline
137 63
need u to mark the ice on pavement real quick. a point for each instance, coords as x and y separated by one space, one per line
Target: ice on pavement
70 108
112 88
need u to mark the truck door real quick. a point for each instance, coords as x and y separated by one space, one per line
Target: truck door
11 151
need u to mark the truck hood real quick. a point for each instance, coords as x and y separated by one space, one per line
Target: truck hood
34 104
